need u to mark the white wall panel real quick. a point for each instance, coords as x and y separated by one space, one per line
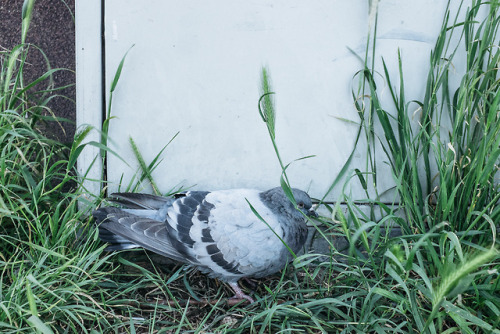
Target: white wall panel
195 69
89 93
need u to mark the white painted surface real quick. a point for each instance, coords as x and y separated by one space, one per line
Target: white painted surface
89 84
195 69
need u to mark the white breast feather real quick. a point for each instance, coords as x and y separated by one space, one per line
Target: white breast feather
239 234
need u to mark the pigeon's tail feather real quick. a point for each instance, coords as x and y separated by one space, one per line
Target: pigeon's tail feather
124 230
101 214
115 241
140 201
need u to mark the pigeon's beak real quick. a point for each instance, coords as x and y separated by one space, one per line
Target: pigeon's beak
312 213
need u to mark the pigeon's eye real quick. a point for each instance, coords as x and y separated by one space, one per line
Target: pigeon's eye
300 205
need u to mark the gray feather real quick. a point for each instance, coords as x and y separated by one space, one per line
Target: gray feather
139 201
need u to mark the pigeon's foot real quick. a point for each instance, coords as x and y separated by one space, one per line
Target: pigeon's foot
239 294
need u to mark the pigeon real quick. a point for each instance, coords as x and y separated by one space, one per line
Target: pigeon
227 234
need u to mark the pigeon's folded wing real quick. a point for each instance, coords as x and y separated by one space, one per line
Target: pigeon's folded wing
145 232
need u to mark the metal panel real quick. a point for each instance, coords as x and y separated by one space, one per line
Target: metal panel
195 69
89 94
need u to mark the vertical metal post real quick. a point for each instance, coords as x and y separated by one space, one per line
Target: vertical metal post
89 87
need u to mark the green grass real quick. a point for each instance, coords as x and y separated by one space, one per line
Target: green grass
445 266
439 276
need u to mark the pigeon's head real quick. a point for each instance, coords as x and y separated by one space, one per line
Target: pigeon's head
278 202
304 202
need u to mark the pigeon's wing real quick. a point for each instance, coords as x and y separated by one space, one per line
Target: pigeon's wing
140 201
187 213
129 230
225 237
170 229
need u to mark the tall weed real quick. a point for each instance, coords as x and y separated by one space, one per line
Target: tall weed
445 166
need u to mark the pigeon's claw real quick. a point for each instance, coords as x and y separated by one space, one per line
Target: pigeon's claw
239 294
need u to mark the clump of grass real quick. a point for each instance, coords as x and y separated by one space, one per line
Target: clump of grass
442 273
50 277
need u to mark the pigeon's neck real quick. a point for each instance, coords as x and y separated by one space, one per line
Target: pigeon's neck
280 205
291 220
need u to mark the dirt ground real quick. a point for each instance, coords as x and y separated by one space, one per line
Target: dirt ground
52 29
